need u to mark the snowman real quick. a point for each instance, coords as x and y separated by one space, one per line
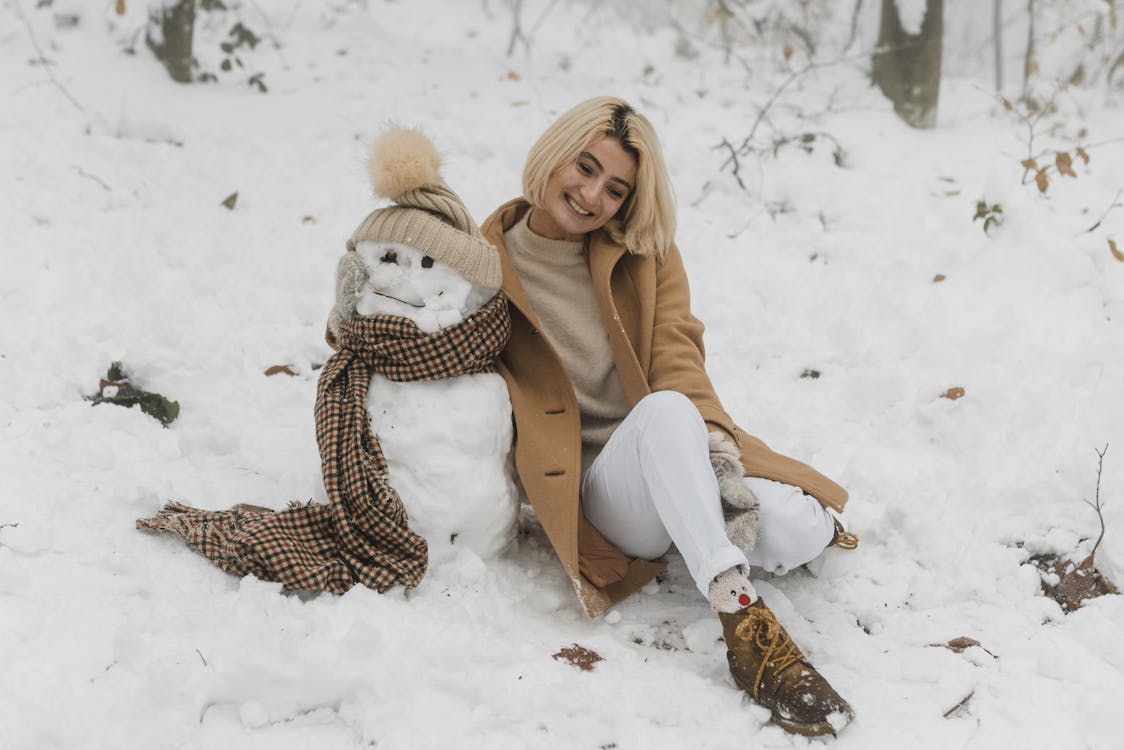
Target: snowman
447 441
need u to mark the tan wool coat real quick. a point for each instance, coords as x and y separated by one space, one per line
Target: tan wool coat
657 346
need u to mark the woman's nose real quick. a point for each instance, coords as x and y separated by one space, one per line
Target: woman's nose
589 192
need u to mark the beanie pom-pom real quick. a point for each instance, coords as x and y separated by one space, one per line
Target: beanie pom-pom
401 161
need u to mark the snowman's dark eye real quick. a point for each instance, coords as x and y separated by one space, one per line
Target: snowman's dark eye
427 262
390 257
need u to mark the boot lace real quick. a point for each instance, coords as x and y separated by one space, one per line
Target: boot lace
842 538
777 647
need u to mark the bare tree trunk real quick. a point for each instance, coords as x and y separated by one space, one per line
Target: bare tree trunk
170 30
908 68
1029 63
997 29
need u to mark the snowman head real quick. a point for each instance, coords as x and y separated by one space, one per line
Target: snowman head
402 280
423 257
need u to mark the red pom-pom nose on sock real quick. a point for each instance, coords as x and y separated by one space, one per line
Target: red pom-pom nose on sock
744 600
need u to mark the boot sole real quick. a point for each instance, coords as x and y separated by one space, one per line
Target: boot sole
814 729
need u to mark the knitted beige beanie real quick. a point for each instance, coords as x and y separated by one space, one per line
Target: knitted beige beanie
428 216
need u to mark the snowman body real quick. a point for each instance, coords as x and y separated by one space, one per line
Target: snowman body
447 442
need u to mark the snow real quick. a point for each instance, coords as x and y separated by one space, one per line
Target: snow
911 14
116 247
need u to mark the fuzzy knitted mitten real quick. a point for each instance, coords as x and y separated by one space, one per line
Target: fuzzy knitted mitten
739 504
731 591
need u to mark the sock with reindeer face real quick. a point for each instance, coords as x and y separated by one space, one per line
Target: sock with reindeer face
731 591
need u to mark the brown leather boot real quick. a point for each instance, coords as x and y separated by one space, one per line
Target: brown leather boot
842 538
767 664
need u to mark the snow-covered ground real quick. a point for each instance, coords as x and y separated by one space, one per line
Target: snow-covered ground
115 246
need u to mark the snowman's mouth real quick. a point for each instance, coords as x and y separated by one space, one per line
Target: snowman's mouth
396 299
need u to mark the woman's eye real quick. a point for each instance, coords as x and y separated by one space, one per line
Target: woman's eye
389 257
584 168
427 262
616 195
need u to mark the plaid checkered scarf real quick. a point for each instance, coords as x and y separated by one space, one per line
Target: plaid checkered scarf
361 535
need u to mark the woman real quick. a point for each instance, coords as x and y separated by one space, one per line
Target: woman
619 433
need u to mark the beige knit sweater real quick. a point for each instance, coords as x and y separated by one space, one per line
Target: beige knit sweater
555 275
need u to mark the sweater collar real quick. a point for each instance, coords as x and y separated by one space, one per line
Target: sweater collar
551 251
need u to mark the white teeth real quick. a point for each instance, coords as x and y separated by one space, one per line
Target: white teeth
578 208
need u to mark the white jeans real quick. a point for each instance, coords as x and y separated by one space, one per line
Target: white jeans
652 485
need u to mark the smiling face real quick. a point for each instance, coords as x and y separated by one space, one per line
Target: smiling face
584 195
405 282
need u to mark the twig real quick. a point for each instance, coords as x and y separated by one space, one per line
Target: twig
1098 144
542 16
803 36
703 193
43 58
271 32
743 147
724 15
1113 204
1097 506
1030 125
732 160
95 178
1116 64
293 14
516 28
806 138
769 103
7 526
959 705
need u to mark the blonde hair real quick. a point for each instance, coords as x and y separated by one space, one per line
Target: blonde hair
645 223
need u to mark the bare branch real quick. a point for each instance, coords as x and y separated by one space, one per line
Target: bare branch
542 16
733 159
95 178
743 147
1112 204
517 34
516 28
768 105
959 705
1097 506
43 58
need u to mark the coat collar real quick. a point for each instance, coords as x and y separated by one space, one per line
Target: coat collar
504 218
603 255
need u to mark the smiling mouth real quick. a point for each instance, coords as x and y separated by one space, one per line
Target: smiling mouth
581 211
396 299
